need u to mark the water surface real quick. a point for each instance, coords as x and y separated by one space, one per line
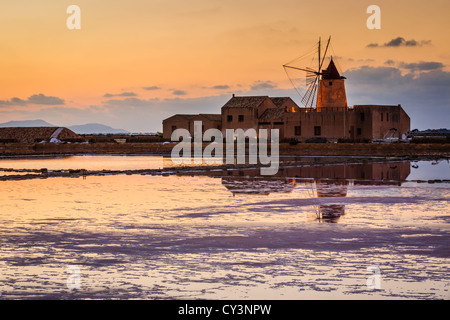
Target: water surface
311 232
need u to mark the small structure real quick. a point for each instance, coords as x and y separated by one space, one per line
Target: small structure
36 134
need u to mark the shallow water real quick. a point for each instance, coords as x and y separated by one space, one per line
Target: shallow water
309 233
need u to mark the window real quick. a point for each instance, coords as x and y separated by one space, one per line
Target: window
229 118
362 116
387 116
317 131
241 118
358 131
174 128
278 123
382 116
298 130
330 83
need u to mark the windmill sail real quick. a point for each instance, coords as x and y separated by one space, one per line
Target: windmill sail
305 79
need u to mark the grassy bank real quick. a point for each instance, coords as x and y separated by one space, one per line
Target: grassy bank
328 149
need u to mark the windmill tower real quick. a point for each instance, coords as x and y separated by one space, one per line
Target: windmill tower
322 89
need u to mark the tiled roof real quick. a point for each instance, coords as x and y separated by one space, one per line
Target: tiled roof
272 114
245 102
186 116
279 101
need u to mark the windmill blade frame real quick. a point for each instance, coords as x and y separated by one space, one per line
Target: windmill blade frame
312 76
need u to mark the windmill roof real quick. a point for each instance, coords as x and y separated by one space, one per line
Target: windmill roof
331 72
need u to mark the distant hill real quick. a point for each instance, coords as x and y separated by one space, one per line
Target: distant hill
26 123
92 128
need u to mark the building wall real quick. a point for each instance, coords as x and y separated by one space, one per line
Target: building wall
362 122
187 122
385 118
331 95
175 122
332 125
250 118
207 123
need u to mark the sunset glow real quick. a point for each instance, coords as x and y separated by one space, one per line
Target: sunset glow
134 63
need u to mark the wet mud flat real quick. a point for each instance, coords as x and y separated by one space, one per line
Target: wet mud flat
199 237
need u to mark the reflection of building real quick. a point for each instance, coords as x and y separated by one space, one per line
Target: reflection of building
256 186
331 189
362 173
326 183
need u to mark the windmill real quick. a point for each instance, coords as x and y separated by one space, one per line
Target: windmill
308 86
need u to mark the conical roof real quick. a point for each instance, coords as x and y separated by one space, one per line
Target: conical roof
331 72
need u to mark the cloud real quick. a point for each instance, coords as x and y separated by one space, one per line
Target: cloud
260 85
424 96
128 102
400 42
151 88
179 93
422 66
146 115
37 99
123 94
221 87
416 66
43 99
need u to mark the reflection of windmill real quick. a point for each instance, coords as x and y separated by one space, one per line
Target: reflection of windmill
334 189
311 87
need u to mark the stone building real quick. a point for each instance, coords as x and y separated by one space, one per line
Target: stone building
186 121
332 118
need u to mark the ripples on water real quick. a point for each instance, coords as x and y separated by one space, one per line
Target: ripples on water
309 233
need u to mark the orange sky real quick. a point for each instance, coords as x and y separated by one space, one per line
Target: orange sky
184 48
